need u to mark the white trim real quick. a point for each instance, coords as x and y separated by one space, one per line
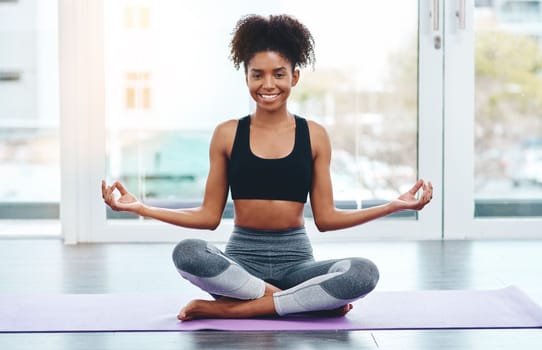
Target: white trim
430 120
81 76
69 33
458 123
506 228
95 208
35 229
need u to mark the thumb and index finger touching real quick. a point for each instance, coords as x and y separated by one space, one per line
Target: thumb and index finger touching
417 186
119 186
116 185
427 188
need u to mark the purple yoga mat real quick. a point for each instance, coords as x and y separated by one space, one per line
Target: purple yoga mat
502 308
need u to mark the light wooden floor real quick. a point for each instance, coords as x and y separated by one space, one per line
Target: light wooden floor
39 266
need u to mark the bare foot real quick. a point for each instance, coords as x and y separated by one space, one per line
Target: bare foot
270 289
189 312
227 308
342 311
230 308
234 308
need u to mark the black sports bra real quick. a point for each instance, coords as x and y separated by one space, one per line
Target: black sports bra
288 178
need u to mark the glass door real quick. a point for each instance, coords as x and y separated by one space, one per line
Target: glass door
508 123
29 117
495 120
376 87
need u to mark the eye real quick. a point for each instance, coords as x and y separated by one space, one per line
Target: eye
280 75
256 75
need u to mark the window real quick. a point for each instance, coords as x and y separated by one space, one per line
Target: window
393 109
508 127
29 115
138 91
519 11
368 103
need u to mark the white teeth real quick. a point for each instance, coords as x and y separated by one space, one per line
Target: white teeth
269 96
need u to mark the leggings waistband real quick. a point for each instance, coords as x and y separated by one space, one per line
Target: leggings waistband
253 231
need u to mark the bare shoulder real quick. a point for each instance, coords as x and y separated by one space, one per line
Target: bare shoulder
319 137
224 135
226 128
316 129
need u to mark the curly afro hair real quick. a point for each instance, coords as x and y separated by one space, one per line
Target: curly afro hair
281 33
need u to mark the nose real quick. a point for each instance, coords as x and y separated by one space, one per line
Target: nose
268 82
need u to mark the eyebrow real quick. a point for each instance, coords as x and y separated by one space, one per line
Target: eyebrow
261 70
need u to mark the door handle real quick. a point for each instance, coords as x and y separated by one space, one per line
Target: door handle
460 14
435 23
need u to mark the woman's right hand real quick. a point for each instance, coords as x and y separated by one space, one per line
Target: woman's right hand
126 201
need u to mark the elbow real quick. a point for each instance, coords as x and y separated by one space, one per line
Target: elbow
322 225
325 217
214 226
207 220
321 228
214 222
327 220
206 226
211 225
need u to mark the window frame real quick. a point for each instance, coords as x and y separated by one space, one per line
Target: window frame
83 162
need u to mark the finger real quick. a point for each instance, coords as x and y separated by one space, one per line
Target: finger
426 190
108 191
111 195
103 189
429 189
428 196
106 196
121 188
423 196
113 187
117 185
416 186
423 199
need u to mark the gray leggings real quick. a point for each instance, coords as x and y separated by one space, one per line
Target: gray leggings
281 258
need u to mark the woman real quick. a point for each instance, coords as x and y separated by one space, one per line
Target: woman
272 160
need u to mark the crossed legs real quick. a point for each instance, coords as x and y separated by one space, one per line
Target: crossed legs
328 286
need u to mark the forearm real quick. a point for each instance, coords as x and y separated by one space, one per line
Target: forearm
336 219
198 218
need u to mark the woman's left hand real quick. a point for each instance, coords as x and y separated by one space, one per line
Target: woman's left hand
408 200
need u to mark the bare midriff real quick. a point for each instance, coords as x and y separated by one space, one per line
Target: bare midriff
268 214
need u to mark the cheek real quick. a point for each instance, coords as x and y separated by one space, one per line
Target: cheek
252 89
286 87
250 86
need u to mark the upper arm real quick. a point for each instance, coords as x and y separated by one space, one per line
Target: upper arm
321 195
216 188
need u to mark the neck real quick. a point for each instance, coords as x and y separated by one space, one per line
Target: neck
271 117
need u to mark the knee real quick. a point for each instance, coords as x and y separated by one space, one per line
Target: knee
359 277
366 272
186 254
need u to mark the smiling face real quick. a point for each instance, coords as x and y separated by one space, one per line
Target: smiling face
270 78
